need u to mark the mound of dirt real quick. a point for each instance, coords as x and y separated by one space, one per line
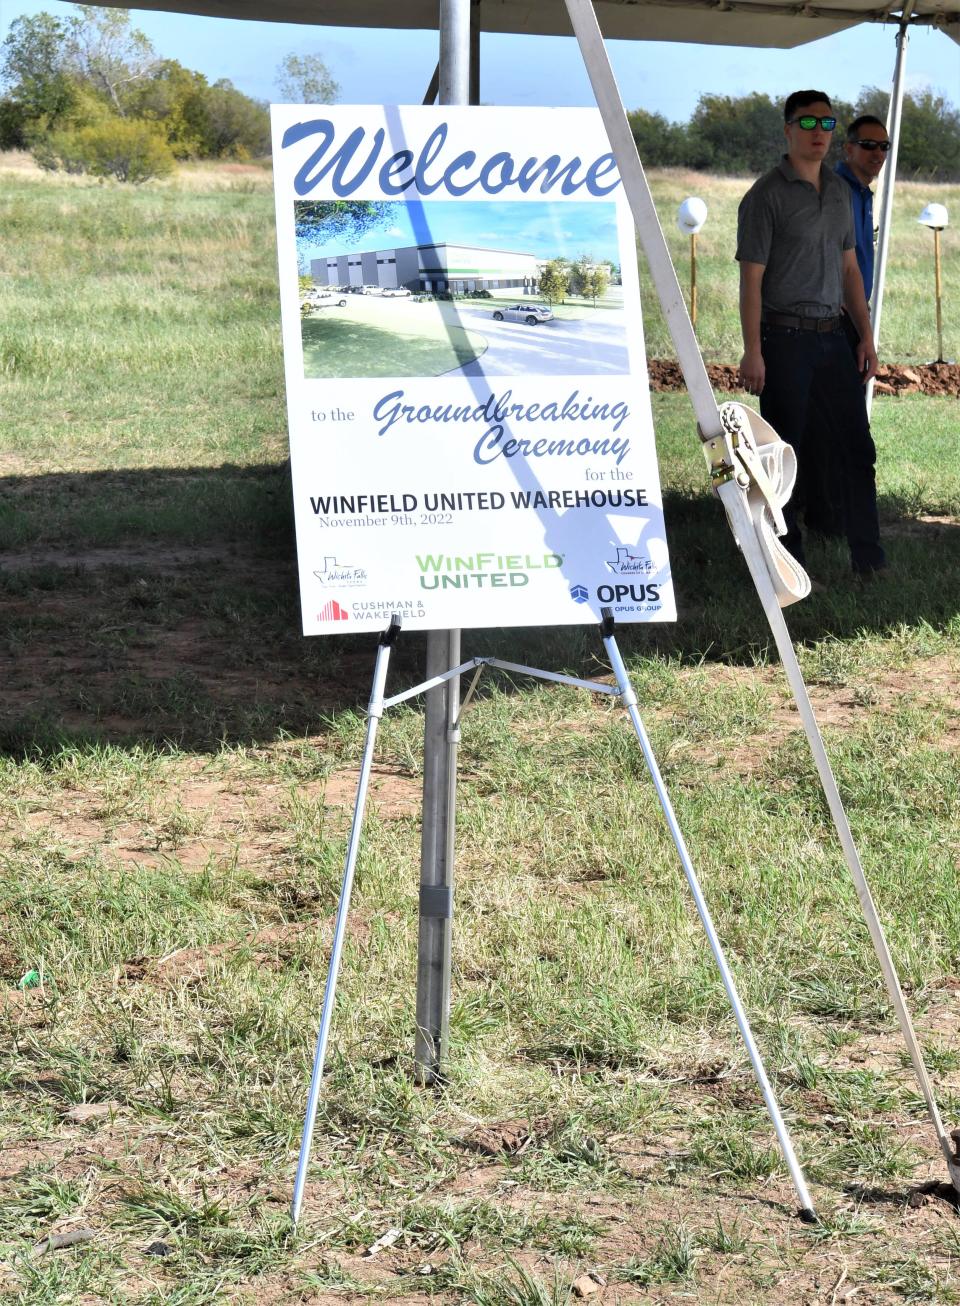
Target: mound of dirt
892 379
925 378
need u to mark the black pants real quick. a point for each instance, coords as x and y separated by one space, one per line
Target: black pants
809 372
819 492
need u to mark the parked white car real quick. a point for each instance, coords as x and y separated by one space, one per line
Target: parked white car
532 314
321 299
395 292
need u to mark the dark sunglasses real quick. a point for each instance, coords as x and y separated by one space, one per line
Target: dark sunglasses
807 121
873 145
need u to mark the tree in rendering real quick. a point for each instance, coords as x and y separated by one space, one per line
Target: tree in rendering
555 280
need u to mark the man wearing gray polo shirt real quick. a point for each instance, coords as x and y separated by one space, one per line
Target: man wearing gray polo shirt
797 253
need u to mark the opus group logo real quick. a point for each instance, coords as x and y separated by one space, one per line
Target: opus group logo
579 593
643 594
332 611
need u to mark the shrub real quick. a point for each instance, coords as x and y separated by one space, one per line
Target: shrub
60 152
13 125
127 150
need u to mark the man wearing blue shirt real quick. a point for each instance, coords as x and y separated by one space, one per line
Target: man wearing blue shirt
864 155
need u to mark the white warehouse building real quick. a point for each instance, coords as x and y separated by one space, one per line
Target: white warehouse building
431 269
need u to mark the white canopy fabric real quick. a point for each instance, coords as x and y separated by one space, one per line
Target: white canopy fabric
772 23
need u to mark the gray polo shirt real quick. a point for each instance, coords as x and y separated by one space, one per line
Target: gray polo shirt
798 234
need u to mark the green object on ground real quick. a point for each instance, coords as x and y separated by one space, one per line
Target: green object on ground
29 981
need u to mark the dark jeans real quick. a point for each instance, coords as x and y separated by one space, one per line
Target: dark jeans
807 373
819 492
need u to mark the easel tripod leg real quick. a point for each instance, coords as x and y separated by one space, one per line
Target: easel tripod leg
374 713
629 699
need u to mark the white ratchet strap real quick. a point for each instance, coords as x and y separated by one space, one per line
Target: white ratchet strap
750 452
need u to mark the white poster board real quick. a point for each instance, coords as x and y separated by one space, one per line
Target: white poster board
469 446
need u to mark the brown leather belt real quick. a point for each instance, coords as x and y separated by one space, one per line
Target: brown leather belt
801 323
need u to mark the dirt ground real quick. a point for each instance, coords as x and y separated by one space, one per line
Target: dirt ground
69 655
893 379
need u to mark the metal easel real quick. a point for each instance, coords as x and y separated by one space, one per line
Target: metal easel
625 692
735 472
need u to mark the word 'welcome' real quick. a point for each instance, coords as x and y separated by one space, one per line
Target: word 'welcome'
428 171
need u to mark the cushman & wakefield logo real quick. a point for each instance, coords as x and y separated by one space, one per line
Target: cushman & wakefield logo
332 611
482 570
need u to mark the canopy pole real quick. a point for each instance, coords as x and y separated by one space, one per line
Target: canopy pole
587 30
435 935
894 116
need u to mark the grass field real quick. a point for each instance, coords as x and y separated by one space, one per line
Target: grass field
176 771
413 340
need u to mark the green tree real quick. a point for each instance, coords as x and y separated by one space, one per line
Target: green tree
555 280
14 126
660 144
346 220
306 79
103 49
596 282
735 134
929 133
581 275
33 66
231 124
173 98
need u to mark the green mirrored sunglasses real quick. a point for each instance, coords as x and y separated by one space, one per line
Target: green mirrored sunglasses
808 121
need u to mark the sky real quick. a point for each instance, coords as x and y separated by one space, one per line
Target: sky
544 230
395 67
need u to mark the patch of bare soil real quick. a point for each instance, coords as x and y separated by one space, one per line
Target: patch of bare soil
268 949
392 793
892 378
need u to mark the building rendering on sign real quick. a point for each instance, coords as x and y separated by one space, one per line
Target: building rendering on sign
431 269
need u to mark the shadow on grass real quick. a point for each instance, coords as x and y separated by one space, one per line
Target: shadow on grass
161 606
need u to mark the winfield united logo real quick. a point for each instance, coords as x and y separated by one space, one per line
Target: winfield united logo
332 611
630 564
340 574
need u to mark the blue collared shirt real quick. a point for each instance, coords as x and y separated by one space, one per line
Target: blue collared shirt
862 199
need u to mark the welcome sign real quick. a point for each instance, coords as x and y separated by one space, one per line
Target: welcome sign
471 439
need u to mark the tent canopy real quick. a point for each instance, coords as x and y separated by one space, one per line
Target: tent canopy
773 23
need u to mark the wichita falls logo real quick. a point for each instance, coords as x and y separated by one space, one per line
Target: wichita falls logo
340 574
629 564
